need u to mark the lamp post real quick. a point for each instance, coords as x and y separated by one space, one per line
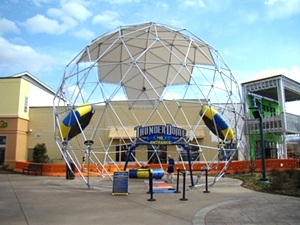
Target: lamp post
89 143
257 113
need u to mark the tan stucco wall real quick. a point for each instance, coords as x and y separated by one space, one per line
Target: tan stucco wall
12 102
9 101
16 142
42 126
13 93
41 130
26 129
22 137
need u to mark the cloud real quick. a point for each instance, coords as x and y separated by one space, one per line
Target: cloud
292 73
162 5
42 24
84 34
70 10
16 58
277 9
250 17
194 3
7 26
119 2
39 3
58 20
108 19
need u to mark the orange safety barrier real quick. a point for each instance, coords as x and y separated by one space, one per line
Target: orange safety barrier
233 168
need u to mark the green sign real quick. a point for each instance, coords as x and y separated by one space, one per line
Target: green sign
3 124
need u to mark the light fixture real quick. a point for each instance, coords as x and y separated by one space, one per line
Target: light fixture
257 113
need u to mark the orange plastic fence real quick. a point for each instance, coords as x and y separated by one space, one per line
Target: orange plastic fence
234 167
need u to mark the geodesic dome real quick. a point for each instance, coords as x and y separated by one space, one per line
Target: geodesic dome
141 75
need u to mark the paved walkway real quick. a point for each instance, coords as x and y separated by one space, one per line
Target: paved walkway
54 200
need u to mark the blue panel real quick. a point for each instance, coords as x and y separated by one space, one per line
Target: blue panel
71 118
221 123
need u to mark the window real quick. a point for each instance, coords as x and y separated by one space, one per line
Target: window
124 152
194 152
26 104
157 153
2 140
270 150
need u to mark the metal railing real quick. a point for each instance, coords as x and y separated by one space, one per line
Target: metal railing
274 124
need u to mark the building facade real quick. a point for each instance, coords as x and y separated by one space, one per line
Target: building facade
19 93
269 96
27 121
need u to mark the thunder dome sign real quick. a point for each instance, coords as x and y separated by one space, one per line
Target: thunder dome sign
160 134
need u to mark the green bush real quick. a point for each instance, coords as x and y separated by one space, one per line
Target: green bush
296 179
39 154
290 172
285 182
278 182
274 172
4 167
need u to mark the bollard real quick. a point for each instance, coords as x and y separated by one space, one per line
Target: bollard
177 183
70 172
183 191
151 199
206 181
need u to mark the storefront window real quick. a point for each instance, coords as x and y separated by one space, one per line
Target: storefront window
124 152
194 152
157 153
2 140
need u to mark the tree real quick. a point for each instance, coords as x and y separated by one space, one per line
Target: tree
39 153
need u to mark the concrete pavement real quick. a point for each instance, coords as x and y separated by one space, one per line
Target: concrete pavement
33 200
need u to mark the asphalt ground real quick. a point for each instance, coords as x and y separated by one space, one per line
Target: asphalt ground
29 199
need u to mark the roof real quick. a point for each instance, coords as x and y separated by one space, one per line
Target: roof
33 80
267 86
264 77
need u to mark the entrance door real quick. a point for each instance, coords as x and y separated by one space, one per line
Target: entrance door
2 155
2 149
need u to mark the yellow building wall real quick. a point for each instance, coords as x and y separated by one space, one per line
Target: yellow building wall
41 130
16 139
9 101
26 129
24 93
21 140
12 103
13 92
41 125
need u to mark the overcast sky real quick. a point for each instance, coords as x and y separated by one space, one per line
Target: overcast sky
255 37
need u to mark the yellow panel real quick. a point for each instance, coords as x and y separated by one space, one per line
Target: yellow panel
117 133
198 133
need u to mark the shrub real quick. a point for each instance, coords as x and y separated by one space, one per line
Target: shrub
274 172
39 154
291 172
278 181
4 167
296 179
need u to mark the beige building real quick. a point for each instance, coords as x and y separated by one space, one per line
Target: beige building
27 121
21 93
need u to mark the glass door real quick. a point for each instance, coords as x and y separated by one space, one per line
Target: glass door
2 149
